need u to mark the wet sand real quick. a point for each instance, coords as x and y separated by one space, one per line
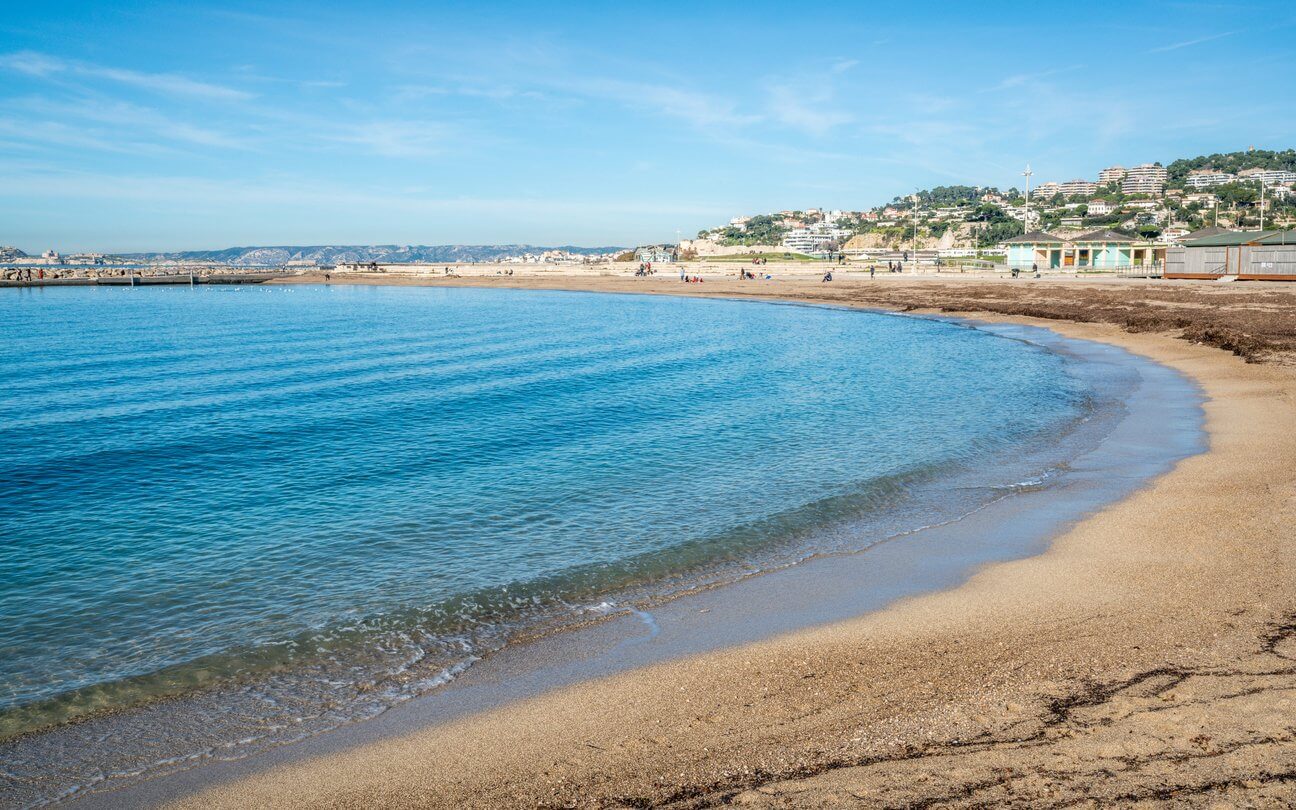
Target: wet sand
1148 654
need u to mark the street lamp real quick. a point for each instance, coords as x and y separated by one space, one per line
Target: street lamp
915 234
1026 219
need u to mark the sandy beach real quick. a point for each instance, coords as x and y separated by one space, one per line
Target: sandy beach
1148 655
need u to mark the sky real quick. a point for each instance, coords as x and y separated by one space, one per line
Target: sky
169 126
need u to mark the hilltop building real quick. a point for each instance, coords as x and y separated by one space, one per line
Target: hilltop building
1078 188
1146 178
1205 178
656 253
1111 174
1268 176
817 238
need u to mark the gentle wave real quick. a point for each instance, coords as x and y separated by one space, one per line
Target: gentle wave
286 533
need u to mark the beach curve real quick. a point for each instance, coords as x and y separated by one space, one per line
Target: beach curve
991 674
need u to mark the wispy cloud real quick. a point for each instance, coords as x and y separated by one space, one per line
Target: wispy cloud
400 139
811 110
1020 79
699 109
133 120
45 66
1190 42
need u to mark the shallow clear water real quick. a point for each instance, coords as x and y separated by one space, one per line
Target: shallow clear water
361 486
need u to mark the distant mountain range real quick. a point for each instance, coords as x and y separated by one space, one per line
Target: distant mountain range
333 254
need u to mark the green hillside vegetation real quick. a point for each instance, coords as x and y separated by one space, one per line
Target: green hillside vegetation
1232 162
760 230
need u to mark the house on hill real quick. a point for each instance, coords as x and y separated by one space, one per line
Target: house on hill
656 253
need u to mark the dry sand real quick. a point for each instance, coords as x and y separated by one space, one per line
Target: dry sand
1148 656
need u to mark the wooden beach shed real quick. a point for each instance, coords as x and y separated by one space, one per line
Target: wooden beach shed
1249 255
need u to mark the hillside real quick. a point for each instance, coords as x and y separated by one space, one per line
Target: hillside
1233 162
333 254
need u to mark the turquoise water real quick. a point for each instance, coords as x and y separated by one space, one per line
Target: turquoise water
332 494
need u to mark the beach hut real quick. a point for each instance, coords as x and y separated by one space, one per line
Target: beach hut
1248 255
1034 249
1104 249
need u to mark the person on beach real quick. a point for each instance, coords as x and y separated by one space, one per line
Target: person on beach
872 271
828 276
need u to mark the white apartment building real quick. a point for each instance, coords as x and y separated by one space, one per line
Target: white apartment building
1046 190
1268 176
739 222
1111 174
1146 178
1076 188
1205 178
813 238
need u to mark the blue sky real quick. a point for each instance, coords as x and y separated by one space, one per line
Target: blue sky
132 126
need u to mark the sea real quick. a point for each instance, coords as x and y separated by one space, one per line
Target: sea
239 516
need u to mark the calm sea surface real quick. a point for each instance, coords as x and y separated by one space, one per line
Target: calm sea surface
325 497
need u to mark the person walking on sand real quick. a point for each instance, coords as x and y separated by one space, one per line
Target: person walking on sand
872 271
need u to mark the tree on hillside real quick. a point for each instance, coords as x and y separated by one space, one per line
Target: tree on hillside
1237 193
761 230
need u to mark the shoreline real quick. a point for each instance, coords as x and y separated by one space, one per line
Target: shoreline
1176 607
919 560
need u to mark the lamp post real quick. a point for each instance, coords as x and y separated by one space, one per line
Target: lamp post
915 232
1026 218
1262 191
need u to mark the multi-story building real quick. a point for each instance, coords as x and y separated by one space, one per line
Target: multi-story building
1101 208
1111 174
1077 188
1046 190
1146 178
1205 178
812 239
656 253
1268 176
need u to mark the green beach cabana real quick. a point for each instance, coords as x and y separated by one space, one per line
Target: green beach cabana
1036 249
1103 249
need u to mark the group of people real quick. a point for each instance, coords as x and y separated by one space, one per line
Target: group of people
690 279
645 269
1016 271
25 274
